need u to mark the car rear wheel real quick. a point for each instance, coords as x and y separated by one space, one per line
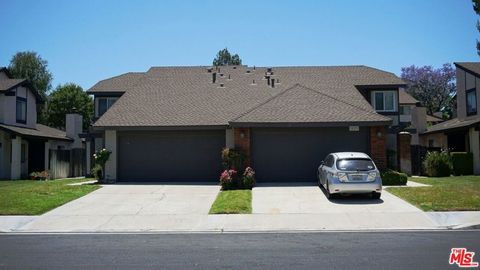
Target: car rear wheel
376 195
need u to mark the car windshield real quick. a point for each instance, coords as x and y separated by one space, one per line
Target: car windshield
355 164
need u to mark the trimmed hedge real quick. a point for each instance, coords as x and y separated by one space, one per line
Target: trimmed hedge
393 178
462 163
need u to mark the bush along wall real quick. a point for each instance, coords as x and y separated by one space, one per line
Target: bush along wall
462 163
438 164
393 178
231 178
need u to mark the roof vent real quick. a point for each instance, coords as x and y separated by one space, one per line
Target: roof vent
253 67
222 85
268 79
273 82
254 83
269 69
235 67
229 77
278 80
248 71
209 70
214 77
221 74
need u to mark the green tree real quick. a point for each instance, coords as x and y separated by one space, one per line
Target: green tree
476 8
224 58
68 98
30 66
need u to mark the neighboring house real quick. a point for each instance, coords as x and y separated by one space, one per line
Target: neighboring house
170 123
433 120
25 145
461 133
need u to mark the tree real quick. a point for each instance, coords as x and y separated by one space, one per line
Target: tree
224 58
68 98
476 8
30 66
434 88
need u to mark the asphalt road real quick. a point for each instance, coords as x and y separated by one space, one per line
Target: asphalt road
324 250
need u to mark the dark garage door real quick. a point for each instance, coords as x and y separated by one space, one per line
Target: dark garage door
170 155
294 154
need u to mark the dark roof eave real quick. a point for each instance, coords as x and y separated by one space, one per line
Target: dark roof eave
159 128
35 136
309 124
40 99
450 129
459 65
378 86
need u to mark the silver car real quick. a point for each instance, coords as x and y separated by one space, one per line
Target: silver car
349 172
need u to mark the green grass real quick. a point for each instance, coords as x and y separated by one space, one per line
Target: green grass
233 202
458 193
29 197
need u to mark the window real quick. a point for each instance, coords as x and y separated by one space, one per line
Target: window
357 164
21 110
104 104
405 110
384 101
471 101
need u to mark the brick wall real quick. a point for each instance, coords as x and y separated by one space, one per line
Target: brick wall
242 142
378 146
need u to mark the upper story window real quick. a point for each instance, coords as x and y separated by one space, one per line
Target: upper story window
21 110
104 104
471 101
384 101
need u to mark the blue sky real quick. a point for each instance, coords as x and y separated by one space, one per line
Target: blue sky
86 41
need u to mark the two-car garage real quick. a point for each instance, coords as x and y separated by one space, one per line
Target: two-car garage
277 154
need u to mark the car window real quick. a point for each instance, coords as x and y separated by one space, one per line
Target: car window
355 164
328 161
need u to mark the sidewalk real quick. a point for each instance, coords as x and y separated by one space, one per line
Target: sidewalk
242 223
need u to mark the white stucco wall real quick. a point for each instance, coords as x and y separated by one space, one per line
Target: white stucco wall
111 145
474 138
9 104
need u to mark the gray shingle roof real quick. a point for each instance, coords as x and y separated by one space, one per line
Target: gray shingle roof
471 66
186 96
40 131
452 124
405 98
7 84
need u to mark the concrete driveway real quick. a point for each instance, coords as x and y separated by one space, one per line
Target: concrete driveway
139 207
308 198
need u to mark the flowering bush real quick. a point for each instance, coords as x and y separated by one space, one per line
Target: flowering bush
101 157
228 179
43 175
232 159
248 180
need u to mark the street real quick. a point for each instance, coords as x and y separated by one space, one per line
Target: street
323 250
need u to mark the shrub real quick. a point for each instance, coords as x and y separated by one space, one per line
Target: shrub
393 178
101 157
248 180
437 164
97 171
43 175
232 159
462 163
228 179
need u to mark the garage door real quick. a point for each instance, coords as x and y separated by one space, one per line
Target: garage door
170 155
294 154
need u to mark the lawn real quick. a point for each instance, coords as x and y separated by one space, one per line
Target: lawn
29 197
459 193
233 202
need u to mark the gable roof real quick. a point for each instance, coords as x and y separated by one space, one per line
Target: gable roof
300 104
186 96
406 98
431 118
451 124
8 84
473 67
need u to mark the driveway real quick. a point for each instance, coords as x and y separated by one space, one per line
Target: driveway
139 207
308 198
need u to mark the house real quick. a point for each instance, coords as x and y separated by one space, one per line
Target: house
25 145
170 123
461 134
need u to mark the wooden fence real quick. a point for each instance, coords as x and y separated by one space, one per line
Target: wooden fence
66 163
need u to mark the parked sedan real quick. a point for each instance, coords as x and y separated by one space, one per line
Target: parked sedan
349 172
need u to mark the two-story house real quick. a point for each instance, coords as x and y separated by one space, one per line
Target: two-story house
171 123
462 132
24 144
